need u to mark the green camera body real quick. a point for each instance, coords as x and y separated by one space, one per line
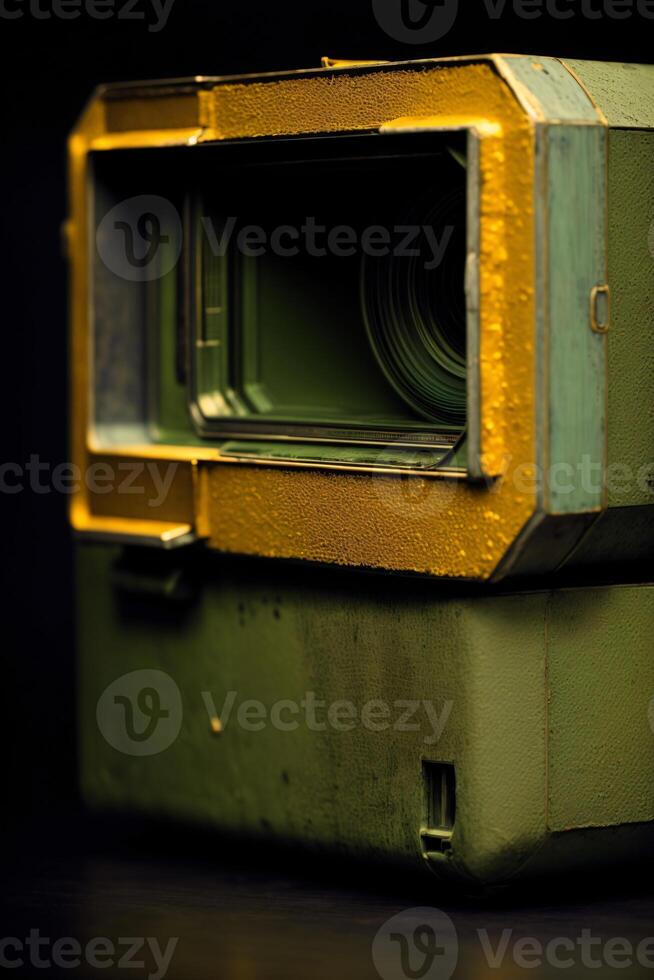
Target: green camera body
371 318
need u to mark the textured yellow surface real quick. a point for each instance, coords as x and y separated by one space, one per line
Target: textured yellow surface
427 525
175 111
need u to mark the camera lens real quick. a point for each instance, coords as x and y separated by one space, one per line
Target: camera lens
413 302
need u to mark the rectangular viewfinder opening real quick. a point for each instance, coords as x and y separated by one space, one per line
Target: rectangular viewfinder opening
306 298
330 293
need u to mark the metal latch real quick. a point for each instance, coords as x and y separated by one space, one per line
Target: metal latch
600 308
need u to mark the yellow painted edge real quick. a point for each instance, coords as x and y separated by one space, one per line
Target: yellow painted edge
327 62
142 139
124 527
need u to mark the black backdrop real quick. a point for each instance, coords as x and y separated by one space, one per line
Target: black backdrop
49 67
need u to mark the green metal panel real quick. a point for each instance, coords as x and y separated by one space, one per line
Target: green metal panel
631 337
625 96
576 355
601 681
570 203
551 89
274 634
626 532
624 93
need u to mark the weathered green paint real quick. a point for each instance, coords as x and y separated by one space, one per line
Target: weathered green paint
571 206
576 368
573 217
626 531
551 90
631 337
624 93
526 709
601 682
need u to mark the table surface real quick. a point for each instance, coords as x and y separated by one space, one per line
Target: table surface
238 914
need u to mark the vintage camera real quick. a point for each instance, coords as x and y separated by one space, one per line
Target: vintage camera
371 317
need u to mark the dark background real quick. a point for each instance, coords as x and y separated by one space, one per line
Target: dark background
49 68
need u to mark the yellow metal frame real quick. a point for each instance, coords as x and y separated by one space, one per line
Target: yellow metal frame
431 525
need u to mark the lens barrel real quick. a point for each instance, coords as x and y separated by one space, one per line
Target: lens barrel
413 303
